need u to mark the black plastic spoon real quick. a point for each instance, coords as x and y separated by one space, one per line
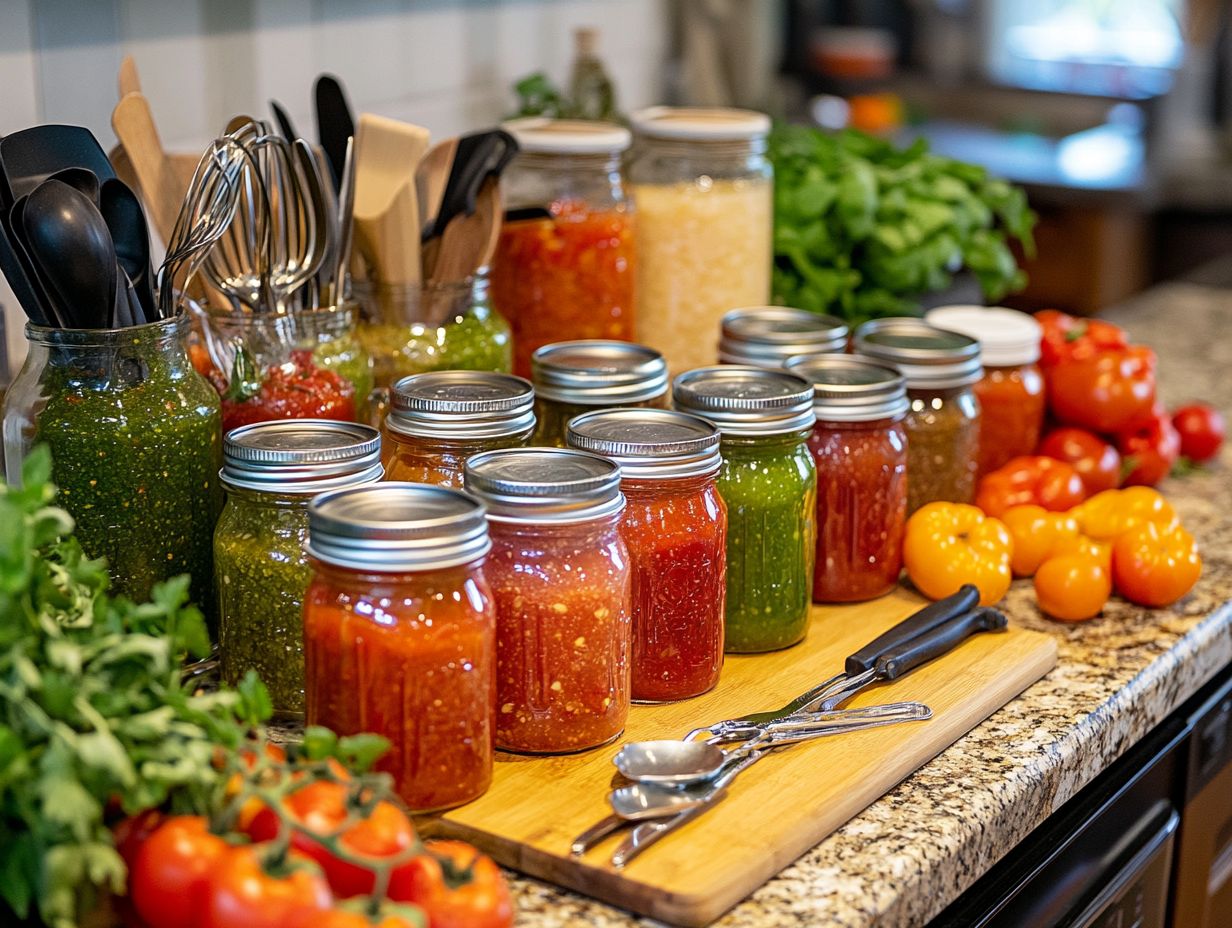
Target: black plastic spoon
81 179
126 222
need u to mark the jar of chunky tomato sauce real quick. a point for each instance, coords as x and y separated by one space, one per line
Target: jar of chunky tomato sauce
1011 392
767 336
400 634
675 527
559 574
941 369
577 377
860 448
769 484
438 419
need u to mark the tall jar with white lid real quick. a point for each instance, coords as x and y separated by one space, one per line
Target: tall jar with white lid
704 193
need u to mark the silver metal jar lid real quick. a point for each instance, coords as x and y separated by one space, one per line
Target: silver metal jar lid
461 405
393 527
746 400
648 443
852 388
596 372
927 357
301 456
766 336
533 485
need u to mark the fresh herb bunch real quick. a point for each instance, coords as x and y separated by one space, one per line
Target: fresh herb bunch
863 228
95 718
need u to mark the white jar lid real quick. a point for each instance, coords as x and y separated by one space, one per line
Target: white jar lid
714 124
1007 337
567 136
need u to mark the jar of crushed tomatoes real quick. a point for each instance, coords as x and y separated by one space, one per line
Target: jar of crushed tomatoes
572 378
675 527
941 369
400 634
767 336
565 264
1011 392
439 419
769 484
860 447
559 574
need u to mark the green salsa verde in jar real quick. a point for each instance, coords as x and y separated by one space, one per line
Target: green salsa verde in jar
271 471
769 482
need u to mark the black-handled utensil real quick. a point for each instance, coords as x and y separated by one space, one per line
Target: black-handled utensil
939 640
335 125
131 237
479 156
928 618
19 271
29 157
284 122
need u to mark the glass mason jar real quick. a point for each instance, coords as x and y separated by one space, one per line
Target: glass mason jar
304 364
767 336
400 634
271 471
675 527
560 576
1011 392
572 378
704 192
860 447
439 419
136 447
769 484
940 368
565 264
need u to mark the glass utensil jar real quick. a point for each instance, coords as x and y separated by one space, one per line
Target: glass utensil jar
439 419
675 527
400 634
769 484
704 192
559 574
767 336
564 266
271 471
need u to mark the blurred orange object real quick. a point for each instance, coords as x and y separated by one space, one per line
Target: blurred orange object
875 113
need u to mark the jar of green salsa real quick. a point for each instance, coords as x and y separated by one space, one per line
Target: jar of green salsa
769 483
135 441
271 471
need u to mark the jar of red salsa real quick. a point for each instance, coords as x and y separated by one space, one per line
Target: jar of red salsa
675 527
400 634
860 448
767 336
559 574
565 265
1011 392
438 419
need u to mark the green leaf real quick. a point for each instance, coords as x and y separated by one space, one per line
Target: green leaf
36 468
255 703
319 743
19 871
360 752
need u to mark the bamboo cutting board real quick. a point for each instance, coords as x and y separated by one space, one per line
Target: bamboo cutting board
778 809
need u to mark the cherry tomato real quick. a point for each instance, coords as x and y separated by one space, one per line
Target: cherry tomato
1097 462
1153 566
1030 480
170 872
1149 451
1202 431
240 892
1072 587
1105 392
482 901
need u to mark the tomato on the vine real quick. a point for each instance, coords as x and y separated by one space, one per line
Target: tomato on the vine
1149 451
240 892
456 886
171 869
1202 430
1097 462
399 916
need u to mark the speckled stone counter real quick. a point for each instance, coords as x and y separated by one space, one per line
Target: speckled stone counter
908 855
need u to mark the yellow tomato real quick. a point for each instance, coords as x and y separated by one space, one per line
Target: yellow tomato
949 544
1111 513
1037 533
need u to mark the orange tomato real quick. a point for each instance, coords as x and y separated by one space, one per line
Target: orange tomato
1106 515
1072 587
1036 533
1030 480
1100 551
1154 566
949 544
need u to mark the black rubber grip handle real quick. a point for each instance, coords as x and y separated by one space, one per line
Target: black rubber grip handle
928 618
920 650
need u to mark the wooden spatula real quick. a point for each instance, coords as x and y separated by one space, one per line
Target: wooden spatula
431 177
128 80
160 186
468 242
387 152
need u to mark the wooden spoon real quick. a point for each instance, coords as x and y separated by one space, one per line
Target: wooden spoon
468 242
431 177
157 178
387 152
128 80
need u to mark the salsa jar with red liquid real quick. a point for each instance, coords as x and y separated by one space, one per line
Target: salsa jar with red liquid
565 263
675 527
400 634
1011 392
860 447
559 574
768 336
438 419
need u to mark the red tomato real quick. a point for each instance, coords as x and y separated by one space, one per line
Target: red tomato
1104 392
482 902
389 917
1149 451
1097 462
1030 480
1066 337
169 875
1202 431
240 892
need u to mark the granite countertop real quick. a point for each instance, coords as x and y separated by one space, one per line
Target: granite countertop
908 855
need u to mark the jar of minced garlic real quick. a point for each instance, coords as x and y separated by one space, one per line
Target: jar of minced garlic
704 192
